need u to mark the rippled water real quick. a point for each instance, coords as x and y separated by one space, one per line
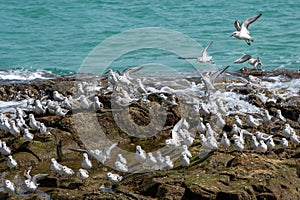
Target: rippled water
57 36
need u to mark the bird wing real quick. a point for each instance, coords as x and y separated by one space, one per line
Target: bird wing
237 25
39 177
204 52
79 150
108 149
27 173
216 74
250 20
132 69
242 59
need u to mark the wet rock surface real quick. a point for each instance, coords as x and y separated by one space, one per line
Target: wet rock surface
223 174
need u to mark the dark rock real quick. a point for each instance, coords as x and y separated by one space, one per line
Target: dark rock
48 182
264 196
196 192
170 192
255 100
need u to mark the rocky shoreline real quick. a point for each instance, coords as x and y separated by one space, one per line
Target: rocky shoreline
221 174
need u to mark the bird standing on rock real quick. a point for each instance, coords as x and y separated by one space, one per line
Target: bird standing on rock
86 163
284 143
140 154
57 96
254 123
9 186
11 163
184 160
270 144
31 184
238 121
82 174
35 125
279 116
27 135
262 147
114 178
225 142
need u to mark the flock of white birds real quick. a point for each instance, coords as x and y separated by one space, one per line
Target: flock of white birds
127 90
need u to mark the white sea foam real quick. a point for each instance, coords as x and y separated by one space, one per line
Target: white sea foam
9 106
23 75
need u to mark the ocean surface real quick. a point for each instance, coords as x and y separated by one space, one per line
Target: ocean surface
60 36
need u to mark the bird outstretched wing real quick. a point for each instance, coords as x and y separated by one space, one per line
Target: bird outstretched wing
250 20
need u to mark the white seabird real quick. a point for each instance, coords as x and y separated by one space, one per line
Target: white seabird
11 163
220 122
267 117
279 116
140 154
210 132
112 79
86 163
5 150
262 147
284 143
114 178
201 127
238 121
141 87
27 135
209 143
31 184
204 55
100 155
44 130
209 78
66 172
186 151
254 143
242 32
225 142
35 125
150 161
168 163
14 130
82 174
270 144
57 96
9 186
255 62
60 112
98 106
121 166
55 166
121 159
251 121
286 132
184 160
39 108
160 160
21 124
238 146
294 138
262 136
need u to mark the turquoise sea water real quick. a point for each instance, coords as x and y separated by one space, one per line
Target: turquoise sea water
57 36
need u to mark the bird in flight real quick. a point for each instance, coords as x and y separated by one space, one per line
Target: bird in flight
204 56
255 62
242 32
